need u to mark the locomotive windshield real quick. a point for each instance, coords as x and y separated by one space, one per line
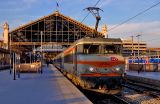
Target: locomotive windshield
91 49
101 49
112 49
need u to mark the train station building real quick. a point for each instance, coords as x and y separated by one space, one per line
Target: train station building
55 29
58 30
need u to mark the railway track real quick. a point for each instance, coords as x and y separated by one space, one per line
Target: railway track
119 99
99 98
142 88
140 94
132 93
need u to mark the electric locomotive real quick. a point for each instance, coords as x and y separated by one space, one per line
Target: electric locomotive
94 63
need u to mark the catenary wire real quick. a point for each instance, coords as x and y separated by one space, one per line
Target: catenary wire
140 13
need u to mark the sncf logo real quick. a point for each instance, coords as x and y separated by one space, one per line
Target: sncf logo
114 59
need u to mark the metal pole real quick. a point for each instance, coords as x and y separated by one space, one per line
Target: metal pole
138 47
149 59
10 71
138 50
30 54
158 56
134 56
138 44
132 49
34 52
41 50
15 63
14 70
158 60
18 71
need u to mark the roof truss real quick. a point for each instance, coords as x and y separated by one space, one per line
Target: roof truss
55 28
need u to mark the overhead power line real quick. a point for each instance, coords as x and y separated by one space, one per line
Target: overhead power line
154 39
89 12
97 2
140 13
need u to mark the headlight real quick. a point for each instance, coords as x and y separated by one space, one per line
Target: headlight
118 69
91 69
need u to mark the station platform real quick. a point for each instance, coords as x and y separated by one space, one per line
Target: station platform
50 87
151 79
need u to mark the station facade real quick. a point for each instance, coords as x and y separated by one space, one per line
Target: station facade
57 29
54 29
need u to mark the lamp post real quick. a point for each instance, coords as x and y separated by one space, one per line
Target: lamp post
158 56
158 60
138 45
41 50
12 60
138 49
10 54
33 53
132 49
14 68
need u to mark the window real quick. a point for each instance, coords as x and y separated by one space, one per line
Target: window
112 49
91 49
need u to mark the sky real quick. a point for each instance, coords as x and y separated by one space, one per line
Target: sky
20 12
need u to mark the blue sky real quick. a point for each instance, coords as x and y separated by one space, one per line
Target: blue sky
20 12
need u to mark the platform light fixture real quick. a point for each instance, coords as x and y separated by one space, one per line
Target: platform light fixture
138 45
10 54
41 50
138 50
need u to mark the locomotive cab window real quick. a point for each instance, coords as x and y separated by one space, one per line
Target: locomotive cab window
91 49
112 49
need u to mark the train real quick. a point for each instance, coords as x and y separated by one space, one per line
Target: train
94 63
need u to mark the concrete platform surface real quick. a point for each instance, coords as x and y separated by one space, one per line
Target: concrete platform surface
150 75
51 87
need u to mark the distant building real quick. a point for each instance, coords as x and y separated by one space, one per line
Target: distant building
128 46
153 52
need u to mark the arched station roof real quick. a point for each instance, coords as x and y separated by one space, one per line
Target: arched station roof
52 29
